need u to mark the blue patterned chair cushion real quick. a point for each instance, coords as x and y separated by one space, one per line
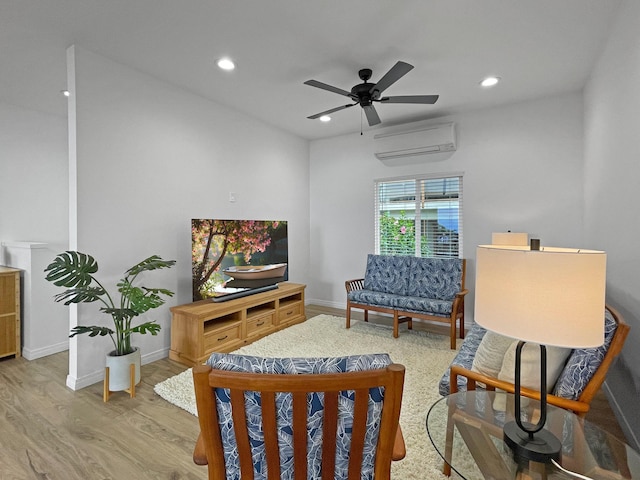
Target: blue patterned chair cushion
464 358
436 278
243 363
583 363
387 274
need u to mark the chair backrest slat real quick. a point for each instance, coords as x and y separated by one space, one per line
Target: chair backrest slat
240 430
269 423
329 431
300 435
358 432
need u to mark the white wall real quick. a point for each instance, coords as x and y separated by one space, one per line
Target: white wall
522 167
149 158
33 165
33 208
612 174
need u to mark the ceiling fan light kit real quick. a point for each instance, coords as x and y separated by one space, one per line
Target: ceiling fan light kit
366 93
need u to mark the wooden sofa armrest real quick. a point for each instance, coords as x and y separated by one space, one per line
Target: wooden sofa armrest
399 447
199 453
462 293
491 383
357 284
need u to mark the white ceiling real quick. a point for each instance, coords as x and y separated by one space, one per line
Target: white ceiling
538 47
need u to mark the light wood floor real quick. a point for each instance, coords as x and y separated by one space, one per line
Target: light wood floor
49 432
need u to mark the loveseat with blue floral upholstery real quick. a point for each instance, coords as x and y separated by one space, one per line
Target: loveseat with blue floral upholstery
411 287
262 418
580 377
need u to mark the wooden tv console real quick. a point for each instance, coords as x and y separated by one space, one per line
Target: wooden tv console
200 328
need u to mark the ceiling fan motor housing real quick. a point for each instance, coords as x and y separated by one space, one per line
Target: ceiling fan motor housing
362 93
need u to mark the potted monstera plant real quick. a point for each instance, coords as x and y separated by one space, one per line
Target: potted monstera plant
76 272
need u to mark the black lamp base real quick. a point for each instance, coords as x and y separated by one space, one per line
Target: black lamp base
543 447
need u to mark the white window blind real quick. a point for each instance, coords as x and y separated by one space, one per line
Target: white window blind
421 216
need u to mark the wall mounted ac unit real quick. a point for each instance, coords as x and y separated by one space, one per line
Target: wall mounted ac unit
412 143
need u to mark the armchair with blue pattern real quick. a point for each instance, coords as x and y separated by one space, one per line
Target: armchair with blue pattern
299 418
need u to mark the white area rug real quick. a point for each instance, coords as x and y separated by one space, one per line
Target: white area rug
425 356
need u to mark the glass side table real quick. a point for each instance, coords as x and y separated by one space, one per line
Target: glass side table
466 430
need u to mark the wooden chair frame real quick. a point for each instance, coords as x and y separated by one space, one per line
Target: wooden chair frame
209 447
400 316
580 406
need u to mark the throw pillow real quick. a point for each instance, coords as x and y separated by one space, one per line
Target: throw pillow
490 354
530 367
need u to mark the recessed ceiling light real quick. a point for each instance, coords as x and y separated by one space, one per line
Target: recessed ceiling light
226 64
65 93
325 118
490 81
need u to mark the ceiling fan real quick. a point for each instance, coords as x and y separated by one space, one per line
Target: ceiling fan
364 94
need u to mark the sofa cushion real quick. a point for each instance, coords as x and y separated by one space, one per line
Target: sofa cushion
464 358
387 274
436 278
583 363
422 305
243 363
370 297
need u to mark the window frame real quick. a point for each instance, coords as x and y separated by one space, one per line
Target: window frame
416 214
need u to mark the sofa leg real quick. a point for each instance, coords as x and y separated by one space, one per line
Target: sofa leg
395 324
348 316
366 315
452 333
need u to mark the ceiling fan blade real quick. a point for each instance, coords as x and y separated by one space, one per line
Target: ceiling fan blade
428 99
324 86
327 112
399 70
372 115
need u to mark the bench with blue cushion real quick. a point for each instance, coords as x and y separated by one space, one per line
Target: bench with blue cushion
411 287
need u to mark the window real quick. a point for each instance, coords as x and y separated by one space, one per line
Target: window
421 216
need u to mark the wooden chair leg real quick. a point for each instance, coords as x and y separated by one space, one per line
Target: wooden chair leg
348 316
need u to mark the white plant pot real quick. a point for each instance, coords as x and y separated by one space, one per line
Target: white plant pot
120 368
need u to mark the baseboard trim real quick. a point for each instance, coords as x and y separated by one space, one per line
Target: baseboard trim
33 354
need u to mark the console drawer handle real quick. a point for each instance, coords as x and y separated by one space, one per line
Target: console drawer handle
261 323
222 338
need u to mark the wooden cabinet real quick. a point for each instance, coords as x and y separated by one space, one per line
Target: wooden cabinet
9 312
200 328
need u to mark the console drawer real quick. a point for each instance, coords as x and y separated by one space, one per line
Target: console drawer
216 338
260 323
289 312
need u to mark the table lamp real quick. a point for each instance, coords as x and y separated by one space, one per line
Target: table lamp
548 296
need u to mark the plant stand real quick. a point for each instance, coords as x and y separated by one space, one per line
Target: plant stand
131 390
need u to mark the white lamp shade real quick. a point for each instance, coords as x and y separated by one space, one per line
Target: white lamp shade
554 296
510 238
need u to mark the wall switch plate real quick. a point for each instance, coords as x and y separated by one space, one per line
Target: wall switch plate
232 197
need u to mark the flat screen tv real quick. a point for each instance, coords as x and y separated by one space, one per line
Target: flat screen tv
232 258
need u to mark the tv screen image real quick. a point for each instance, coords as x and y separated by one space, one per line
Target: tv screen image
231 258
